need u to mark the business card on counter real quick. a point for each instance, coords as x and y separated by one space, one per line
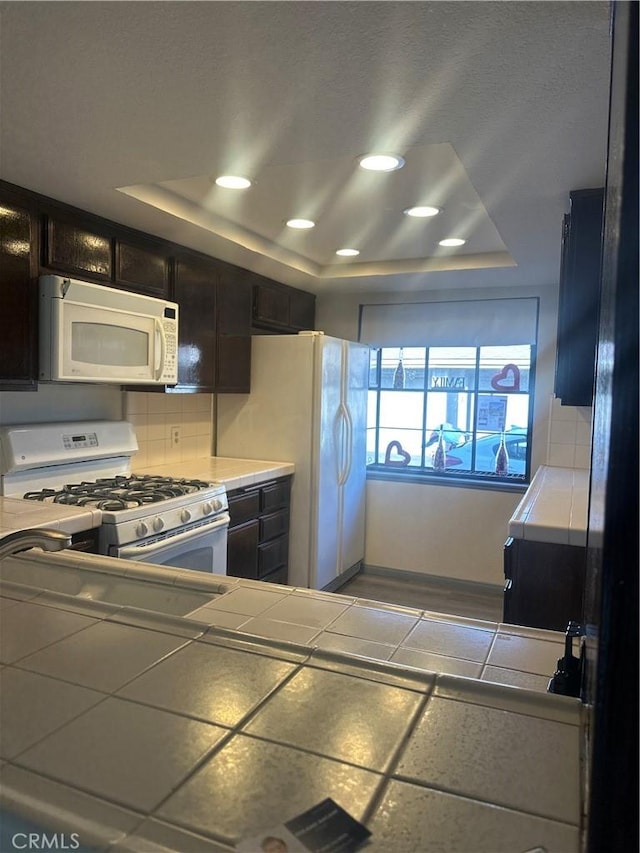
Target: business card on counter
325 828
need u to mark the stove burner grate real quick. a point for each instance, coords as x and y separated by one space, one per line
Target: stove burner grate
119 492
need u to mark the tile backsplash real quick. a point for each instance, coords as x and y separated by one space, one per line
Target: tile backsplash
569 444
155 418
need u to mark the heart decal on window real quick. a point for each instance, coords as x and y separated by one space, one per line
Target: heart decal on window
508 379
401 459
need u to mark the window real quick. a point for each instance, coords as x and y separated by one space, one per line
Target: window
463 400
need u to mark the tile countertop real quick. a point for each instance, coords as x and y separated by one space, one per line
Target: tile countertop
17 514
141 732
234 473
554 507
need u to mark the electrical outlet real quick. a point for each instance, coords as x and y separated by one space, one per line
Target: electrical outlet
176 435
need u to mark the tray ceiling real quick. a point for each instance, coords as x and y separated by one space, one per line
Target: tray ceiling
130 110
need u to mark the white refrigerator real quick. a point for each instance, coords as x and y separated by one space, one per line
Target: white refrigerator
308 405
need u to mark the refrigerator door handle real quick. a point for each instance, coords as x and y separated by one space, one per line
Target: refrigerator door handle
338 438
349 444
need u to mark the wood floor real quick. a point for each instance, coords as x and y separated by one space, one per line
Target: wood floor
474 601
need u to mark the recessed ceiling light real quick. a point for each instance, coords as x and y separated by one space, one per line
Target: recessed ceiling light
348 253
422 211
381 162
452 241
233 182
300 223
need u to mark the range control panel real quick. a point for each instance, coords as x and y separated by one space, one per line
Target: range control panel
87 439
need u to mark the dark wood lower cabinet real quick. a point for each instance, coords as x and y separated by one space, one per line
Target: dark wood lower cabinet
258 544
544 584
86 541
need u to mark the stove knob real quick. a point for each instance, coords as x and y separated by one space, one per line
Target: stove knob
207 508
217 504
185 516
158 524
142 529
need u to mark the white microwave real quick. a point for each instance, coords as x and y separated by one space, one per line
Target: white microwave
92 333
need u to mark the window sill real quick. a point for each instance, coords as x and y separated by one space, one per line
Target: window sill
400 475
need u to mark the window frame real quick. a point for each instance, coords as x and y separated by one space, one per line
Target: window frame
451 477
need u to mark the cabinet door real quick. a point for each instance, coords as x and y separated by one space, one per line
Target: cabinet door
302 309
270 305
272 555
234 294
72 246
547 584
579 298
18 296
195 293
143 268
242 551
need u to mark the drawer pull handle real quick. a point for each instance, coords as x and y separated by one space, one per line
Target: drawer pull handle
508 585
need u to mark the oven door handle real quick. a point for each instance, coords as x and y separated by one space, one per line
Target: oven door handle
133 551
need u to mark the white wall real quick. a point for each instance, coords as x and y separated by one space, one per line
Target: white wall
444 530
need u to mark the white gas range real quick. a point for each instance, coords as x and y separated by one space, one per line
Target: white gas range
157 519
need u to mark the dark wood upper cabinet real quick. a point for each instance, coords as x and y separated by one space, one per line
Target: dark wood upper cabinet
18 294
194 290
579 298
279 308
302 310
233 343
270 305
144 268
70 246
214 325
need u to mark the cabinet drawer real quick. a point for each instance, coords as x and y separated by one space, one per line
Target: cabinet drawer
274 496
274 525
243 507
271 556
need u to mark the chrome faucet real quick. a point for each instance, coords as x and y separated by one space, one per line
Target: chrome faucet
36 537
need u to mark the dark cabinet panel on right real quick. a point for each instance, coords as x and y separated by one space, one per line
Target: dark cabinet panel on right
579 298
544 583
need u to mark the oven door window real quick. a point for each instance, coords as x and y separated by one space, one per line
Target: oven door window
203 549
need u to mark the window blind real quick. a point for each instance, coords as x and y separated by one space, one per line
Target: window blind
474 322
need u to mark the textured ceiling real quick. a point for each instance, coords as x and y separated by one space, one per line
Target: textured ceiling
500 109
